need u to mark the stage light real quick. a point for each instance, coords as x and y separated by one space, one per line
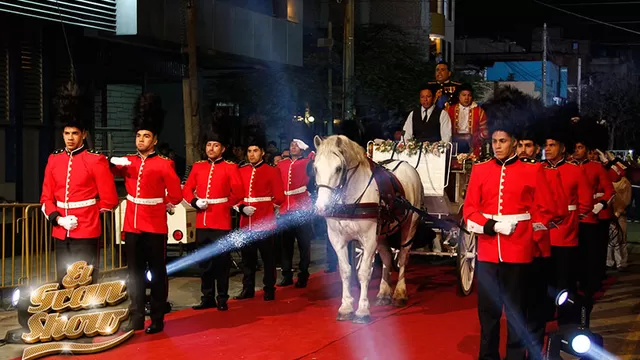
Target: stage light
311 119
581 344
563 297
15 297
149 276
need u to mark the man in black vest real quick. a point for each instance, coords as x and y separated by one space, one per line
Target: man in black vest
428 123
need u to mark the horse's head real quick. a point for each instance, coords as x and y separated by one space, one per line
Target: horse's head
336 156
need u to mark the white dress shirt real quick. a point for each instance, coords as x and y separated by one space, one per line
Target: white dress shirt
463 118
445 124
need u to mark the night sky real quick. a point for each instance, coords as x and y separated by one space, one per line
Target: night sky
514 19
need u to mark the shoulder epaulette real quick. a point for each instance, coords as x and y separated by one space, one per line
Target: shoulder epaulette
94 152
131 155
163 157
229 162
482 161
456 83
243 164
58 151
201 161
572 162
528 160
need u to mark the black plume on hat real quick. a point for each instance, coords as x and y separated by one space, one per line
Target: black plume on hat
148 114
557 126
512 111
73 108
215 129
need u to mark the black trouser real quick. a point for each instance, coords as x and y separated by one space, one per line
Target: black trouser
502 285
214 270
565 277
603 245
303 233
590 274
147 249
71 250
250 262
540 305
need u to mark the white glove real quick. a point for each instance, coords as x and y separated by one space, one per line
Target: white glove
504 227
120 161
68 222
597 208
202 204
248 210
170 208
602 157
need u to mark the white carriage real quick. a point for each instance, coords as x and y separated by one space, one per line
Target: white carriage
433 163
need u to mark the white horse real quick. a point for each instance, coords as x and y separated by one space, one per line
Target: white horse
343 176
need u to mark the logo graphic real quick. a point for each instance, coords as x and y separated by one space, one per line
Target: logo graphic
48 326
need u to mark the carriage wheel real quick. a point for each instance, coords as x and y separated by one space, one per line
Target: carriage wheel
466 263
615 234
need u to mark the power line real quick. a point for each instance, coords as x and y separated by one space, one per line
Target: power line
601 3
588 18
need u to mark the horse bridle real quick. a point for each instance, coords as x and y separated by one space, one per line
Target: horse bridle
345 178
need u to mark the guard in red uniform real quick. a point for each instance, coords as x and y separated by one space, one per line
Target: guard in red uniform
293 172
212 188
540 304
593 240
508 200
469 122
564 234
77 187
152 183
262 191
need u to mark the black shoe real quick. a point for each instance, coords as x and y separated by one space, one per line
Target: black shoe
155 327
245 295
133 325
204 305
302 282
286 281
269 295
222 306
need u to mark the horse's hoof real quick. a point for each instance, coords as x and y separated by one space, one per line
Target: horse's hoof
383 301
400 302
345 317
362 319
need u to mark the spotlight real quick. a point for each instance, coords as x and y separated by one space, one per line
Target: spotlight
149 276
563 297
578 342
581 344
311 119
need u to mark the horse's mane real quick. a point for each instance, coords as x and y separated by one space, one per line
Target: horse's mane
348 148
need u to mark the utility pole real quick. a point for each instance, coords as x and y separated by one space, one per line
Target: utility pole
348 62
190 94
330 79
579 84
544 64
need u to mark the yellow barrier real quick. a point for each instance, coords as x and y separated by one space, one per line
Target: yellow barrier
28 251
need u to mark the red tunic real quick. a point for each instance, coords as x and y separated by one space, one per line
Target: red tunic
219 183
294 182
477 125
579 201
151 183
514 191
601 187
615 171
262 190
543 238
77 183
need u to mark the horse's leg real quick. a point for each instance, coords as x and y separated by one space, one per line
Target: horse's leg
384 294
363 314
345 312
400 296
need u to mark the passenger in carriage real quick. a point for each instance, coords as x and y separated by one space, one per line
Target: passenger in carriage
428 122
469 122
508 200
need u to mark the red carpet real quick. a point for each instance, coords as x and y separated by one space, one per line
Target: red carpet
301 324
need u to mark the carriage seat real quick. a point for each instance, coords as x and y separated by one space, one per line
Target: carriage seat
388 184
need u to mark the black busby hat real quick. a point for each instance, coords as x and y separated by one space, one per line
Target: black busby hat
557 126
511 111
590 133
73 107
255 136
148 114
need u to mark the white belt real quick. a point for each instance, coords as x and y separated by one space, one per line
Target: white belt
258 199
76 204
509 218
598 195
141 201
216 201
297 191
573 207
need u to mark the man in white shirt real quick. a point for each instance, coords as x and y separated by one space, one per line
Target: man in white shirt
428 123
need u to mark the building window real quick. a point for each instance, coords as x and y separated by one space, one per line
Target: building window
292 14
446 12
575 45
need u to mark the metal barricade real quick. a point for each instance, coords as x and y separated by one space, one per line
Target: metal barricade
28 250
